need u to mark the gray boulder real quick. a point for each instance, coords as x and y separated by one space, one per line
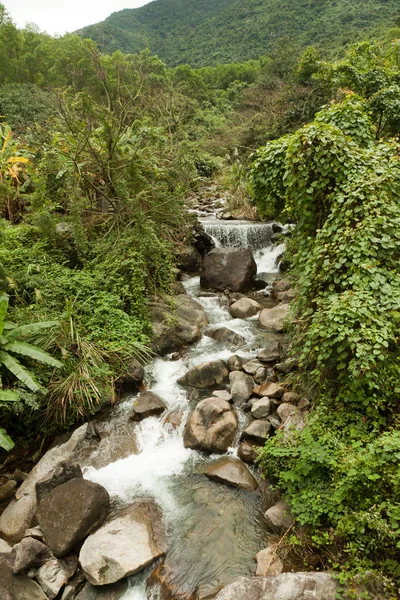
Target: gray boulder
262 408
233 472
69 512
285 410
133 377
29 553
17 587
63 473
5 547
54 574
231 269
206 375
247 451
235 363
226 336
273 319
252 366
287 586
241 386
270 353
244 308
268 563
124 546
278 518
146 405
257 430
211 427
19 514
189 259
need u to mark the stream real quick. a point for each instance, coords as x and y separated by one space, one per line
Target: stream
214 531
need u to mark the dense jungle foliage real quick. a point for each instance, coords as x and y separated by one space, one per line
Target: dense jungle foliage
97 154
208 32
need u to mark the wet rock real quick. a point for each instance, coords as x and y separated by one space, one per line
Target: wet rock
29 553
146 405
285 409
268 563
273 319
189 260
223 394
115 591
251 366
206 375
227 336
232 269
133 377
241 386
247 451
211 427
270 390
278 518
271 353
17 587
244 308
124 546
63 473
5 547
231 471
19 514
70 512
287 586
235 363
174 418
7 490
262 408
257 430
54 574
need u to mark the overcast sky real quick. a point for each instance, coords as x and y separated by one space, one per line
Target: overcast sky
59 16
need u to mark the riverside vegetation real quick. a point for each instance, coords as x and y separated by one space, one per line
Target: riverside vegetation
97 154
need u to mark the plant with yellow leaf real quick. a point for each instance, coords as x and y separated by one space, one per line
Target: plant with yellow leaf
14 160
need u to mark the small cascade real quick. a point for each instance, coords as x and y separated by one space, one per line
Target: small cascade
239 234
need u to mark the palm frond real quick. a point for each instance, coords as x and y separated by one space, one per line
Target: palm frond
19 371
5 441
33 352
30 328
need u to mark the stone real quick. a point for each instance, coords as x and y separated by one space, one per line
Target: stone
286 367
211 427
17 587
146 405
133 377
287 586
5 547
247 451
70 512
227 336
274 420
244 308
124 546
223 394
115 591
74 585
270 353
257 430
268 563
189 259
235 363
294 422
19 514
34 532
260 375
285 410
261 408
251 366
29 553
54 574
278 518
232 269
19 476
63 473
273 319
286 297
7 490
282 285
206 375
233 472
290 397
241 386
270 390
303 404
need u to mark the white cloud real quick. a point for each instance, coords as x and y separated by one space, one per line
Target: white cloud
60 16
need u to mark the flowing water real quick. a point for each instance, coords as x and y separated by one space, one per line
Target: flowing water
214 531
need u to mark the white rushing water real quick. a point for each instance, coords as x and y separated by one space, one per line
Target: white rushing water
161 456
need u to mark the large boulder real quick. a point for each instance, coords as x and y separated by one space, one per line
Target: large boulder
63 473
124 546
244 308
17 587
226 336
19 514
211 427
241 386
131 380
189 259
231 471
273 319
287 586
206 375
71 511
146 405
231 269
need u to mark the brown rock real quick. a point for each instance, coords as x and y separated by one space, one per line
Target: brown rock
233 472
268 563
273 319
257 430
231 269
247 451
146 405
211 427
270 390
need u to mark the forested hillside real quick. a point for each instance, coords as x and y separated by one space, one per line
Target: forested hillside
202 32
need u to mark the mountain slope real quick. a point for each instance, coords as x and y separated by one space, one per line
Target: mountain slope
205 32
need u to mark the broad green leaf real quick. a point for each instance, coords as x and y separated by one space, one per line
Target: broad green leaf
5 441
9 325
30 328
8 396
3 310
19 371
33 352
